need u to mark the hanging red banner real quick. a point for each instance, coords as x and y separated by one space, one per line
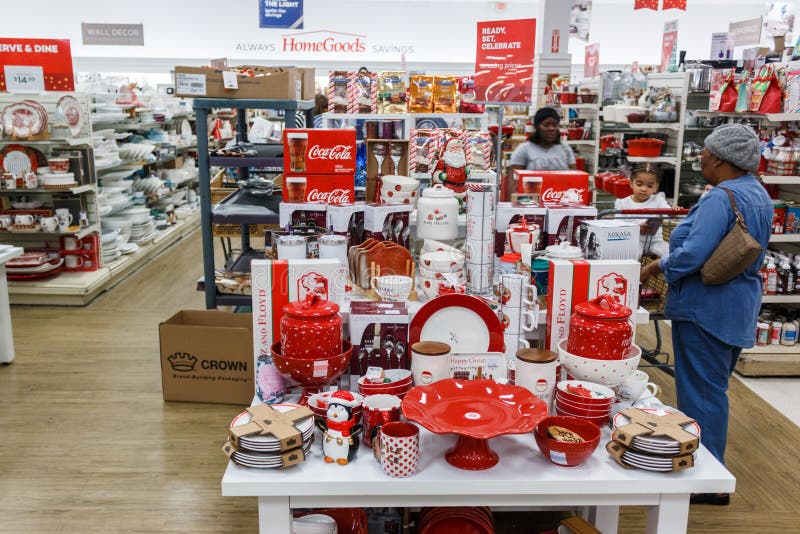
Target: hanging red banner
673 4
35 65
645 4
591 61
504 61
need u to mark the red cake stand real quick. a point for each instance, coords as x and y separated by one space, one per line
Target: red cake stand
476 411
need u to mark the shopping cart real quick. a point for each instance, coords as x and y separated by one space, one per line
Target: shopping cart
653 292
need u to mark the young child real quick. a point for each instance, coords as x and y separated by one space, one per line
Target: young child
645 179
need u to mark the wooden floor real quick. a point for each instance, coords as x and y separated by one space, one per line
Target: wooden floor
88 445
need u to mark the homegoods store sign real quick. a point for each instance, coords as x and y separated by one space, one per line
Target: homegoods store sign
325 42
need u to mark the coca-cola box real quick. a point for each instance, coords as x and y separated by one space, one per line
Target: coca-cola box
388 222
319 151
557 184
326 188
564 223
347 220
509 213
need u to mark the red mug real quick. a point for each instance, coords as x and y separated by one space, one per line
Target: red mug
378 410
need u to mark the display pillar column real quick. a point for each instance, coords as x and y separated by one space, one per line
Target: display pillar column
552 45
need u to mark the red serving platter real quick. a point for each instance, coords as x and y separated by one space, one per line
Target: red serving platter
475 410
471 305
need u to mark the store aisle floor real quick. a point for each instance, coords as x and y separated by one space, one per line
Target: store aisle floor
90 446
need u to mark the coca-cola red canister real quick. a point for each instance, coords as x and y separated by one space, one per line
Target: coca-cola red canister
600 329
311 329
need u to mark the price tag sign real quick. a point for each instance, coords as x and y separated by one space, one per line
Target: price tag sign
20 79
229 79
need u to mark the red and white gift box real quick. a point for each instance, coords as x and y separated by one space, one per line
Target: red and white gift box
330 165
381 221
328 151
571 282
557 184
564 222
275 283
513 212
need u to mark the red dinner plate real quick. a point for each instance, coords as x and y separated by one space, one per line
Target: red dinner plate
464 322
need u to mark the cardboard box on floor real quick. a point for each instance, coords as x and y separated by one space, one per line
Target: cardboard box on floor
207 356
278 83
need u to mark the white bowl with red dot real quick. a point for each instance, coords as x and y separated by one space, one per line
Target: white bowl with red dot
605 372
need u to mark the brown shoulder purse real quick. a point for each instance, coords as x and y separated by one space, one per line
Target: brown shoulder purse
735 253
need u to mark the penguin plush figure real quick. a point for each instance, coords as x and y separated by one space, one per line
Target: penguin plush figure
339 431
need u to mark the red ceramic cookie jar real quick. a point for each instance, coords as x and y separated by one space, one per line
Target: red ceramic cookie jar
600 329
311 329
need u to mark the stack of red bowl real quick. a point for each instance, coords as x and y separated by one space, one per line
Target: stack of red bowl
395 382
585 400
447 520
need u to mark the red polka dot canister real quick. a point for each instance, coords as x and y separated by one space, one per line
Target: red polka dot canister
600 329
311 329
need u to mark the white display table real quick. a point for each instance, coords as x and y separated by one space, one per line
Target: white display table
7 252
522 478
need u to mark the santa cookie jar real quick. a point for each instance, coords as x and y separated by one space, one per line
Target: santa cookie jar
339 430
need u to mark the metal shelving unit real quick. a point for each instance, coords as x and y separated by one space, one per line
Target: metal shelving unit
203 107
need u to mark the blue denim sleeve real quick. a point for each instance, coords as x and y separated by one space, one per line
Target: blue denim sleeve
709 226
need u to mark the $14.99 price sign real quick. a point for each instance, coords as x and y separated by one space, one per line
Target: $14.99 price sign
504 60
35 65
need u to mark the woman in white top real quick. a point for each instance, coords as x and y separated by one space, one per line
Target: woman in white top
645 179
543 151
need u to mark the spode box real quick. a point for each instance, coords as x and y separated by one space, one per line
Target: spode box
564 222
207 356
557 184
509 213
571 282
275 283
609 239
379 335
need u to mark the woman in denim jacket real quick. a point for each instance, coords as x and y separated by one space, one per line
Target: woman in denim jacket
712 323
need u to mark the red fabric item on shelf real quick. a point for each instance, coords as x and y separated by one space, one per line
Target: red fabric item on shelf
645 4
673 4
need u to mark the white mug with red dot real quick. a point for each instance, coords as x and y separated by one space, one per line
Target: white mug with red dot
397 449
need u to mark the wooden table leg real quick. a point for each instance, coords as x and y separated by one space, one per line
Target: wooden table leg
274 515
671 516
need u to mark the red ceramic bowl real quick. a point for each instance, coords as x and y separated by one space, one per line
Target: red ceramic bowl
581 411
312 373
567 454
621 188
645 148
599 422
601 395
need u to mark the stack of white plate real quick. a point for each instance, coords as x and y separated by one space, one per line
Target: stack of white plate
264 451
653 453
143 231
111 251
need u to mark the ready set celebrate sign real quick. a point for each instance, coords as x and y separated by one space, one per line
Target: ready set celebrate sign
504 61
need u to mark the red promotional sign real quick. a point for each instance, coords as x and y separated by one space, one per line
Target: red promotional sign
319 151
504 61
35 65
669 45
591 62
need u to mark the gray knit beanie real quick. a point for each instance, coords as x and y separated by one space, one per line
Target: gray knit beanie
737 144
